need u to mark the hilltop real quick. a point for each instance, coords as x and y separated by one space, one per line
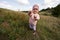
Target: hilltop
14 26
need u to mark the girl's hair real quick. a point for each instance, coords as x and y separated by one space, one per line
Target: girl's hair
36 5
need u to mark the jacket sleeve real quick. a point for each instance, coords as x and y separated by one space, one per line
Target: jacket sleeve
38 17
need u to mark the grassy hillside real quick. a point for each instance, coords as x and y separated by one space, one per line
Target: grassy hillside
14 26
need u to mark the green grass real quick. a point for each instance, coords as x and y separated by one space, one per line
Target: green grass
15 26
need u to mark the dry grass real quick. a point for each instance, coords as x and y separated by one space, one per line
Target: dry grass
15 25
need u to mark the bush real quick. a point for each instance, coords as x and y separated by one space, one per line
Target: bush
56 11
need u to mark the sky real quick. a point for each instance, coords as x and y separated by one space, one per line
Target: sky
24 5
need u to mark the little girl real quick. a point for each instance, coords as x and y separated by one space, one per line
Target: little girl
33 18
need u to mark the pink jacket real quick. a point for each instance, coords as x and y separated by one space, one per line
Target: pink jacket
32 20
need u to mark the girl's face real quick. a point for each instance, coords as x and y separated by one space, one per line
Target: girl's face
35 10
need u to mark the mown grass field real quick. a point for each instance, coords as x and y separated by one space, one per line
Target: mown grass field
15 26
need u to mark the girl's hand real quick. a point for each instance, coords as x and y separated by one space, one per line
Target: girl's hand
29 13
35 18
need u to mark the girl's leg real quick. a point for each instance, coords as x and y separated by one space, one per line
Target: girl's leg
31 26
34 28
